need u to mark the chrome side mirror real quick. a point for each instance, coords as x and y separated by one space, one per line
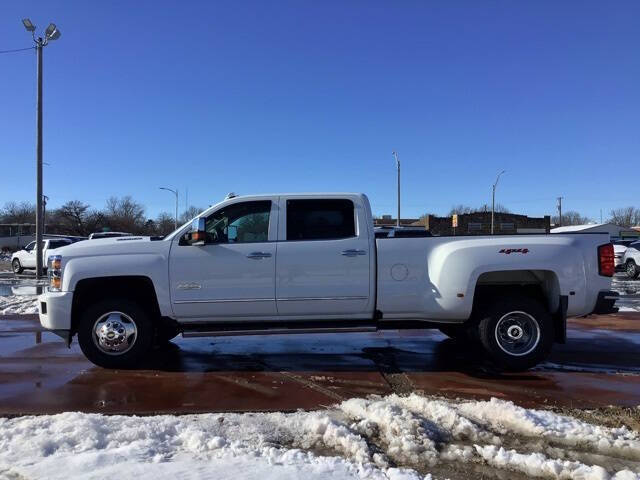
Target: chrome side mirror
197 235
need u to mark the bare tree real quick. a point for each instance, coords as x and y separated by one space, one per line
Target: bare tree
570 218
164 224
624 217
14 212
460 209
125 214
464 209
71 218
190 213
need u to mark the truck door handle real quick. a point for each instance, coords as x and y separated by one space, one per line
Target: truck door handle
259 255
353 252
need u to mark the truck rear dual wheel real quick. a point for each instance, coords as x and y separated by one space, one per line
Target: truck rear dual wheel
517 333
116 333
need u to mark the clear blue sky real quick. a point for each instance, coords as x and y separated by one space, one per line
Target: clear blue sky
258 97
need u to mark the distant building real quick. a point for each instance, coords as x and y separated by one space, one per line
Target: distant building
479 223
614 231
388 221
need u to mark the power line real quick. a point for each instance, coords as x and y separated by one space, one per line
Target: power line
17 50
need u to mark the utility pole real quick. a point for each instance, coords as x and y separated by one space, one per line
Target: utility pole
395 155
175 192
51 33
493 201
560 211
39 160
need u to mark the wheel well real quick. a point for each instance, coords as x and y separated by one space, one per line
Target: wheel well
541 285
137 288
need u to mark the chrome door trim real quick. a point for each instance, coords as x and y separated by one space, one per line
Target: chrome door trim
227 300
306 299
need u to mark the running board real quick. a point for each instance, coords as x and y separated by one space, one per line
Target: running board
273 328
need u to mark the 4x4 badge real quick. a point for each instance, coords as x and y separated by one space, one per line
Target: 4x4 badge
509 251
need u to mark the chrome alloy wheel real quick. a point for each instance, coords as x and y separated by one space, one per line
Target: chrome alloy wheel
517 333
115 333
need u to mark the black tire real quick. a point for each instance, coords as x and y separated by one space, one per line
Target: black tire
457 332
139 347
501 324
16 267
166 333
631 269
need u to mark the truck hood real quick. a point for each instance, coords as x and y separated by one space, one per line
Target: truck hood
109 246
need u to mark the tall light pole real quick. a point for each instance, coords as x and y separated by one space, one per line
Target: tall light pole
493 201
395 155
51 33
560 211
175 192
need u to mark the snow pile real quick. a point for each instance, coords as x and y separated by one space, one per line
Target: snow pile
18 304
376 438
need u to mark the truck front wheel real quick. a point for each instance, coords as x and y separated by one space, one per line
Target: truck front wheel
517 333
115 333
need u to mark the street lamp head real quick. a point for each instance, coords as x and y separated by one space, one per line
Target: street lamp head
52 32
28 25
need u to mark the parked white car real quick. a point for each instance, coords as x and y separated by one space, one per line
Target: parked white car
631 260
26 258
619 247
302 263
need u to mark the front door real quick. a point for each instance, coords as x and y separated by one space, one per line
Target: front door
233 274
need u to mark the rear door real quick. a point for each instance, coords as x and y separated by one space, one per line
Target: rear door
323 263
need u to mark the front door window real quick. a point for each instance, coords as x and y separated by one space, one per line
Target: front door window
246 222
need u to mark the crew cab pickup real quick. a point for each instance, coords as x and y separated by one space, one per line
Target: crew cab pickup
303 263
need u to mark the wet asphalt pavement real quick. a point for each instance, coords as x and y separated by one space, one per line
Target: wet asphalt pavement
599 366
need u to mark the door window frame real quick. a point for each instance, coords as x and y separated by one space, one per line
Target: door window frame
272 234
282 230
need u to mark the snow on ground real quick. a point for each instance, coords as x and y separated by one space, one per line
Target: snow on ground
18 304
376 438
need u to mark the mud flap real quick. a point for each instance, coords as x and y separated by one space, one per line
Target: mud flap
63 334
560 320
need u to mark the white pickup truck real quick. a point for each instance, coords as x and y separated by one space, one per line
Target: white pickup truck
304 263
26 258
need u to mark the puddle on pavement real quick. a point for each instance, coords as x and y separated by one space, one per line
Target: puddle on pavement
8 290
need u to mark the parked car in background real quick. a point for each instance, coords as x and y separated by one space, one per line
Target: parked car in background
95 236
26 258
619 247
631 260
401 232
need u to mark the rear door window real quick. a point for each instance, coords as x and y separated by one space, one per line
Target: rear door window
328 219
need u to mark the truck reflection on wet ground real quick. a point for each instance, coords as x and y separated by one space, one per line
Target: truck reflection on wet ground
599 365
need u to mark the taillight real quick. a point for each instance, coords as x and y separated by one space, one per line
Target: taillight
606 266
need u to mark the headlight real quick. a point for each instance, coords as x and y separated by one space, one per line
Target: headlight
54 272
